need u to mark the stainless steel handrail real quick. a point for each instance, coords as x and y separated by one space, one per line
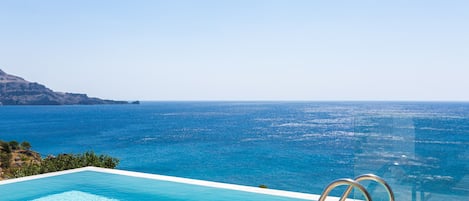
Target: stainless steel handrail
373 178
341 182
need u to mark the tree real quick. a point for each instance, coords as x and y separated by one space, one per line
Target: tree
25 145
14 145
5 147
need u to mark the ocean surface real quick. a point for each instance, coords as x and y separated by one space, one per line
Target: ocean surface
420 148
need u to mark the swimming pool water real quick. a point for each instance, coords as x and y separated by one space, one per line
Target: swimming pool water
98 184
74 196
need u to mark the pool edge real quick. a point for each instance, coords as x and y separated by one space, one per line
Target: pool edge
273 192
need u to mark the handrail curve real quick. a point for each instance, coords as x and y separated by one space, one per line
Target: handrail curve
341 182
372 177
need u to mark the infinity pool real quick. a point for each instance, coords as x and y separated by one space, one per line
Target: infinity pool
98 184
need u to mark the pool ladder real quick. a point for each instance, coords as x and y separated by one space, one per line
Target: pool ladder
355 183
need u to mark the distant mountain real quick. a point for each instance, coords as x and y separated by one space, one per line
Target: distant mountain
15 90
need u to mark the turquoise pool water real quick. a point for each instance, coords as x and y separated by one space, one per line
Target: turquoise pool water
74 196
100 186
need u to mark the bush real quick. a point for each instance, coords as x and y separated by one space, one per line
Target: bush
5 147
5 159
26 145
14 145
49 164
66 162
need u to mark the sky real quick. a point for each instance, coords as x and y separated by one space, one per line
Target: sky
311 50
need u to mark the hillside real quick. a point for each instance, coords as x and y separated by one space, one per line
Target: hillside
15 90
14 155
18 160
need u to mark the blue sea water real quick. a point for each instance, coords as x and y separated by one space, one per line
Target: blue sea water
420 148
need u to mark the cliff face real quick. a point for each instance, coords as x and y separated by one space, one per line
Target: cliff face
17 91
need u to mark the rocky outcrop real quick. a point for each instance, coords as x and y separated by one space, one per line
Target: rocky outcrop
15 90
16 159
21 158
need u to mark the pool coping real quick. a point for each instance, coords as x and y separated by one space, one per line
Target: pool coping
273 192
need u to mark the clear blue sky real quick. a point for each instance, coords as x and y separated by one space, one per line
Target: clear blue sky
241 49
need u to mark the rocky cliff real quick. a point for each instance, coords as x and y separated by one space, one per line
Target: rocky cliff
15 90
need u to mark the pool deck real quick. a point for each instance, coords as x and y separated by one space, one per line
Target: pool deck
211 184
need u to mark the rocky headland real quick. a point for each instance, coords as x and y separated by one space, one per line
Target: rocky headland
15 90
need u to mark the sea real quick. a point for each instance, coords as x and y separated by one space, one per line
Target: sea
420 148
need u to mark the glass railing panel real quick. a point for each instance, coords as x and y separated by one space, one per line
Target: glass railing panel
423 153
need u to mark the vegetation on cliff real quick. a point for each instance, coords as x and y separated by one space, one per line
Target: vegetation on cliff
17 160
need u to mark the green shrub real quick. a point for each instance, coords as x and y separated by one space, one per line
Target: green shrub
5 147
5 159
26 145
66 162
49 164
14 145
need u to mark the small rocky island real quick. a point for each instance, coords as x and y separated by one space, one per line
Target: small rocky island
15 90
